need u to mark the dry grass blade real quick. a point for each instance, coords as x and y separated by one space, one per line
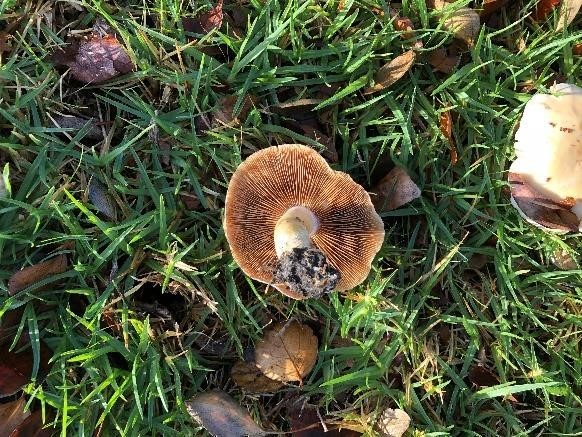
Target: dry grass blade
568 12
287 352
392 71
221 416
29 275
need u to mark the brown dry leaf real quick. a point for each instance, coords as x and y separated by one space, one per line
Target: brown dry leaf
395 190
392 423
482 377
11 415
95 59
32 426
221 416
248 376
16 368
101 199
568 12
392 71
577 49
564 260
534 207
287 352
78 123
441 61
544 8
5 45
305 422
29 275
446 127
492 6
224 114
463 22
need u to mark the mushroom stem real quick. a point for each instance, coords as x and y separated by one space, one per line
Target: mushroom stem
294 230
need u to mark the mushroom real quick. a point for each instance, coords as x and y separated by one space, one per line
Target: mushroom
546 177
293 222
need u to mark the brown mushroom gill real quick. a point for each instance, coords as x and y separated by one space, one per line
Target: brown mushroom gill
286 205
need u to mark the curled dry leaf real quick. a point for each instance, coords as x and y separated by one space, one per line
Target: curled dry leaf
287 352
568 12
544 8
221 416
392 71
395 190
535 208
32 274
95 59
442 61
392 423
446 127
249 377
463 22
11 415
101 199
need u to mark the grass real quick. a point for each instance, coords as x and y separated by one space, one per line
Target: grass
153 308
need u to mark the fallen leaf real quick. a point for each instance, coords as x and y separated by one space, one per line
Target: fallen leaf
544 8
31 274
395 190
101 199
463 22
392 71
95 59
293 107
542 212
78 123
32 426
5 45
305 422
564 260
11 415
440 60
221 416
287 352
249 377
330 152
204 23
224 114
577 49
16 368
446 127
568 12
492 6
482 377
392 423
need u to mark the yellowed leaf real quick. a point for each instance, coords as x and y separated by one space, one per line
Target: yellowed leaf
568 12
392 423
29 275
287 352
249 376
464 23
392 71
395 190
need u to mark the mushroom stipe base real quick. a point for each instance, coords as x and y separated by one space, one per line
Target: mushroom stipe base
307 272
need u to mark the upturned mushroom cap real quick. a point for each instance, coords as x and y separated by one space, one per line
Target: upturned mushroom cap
271 181
549 151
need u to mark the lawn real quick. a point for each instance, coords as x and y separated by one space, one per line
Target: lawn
467 321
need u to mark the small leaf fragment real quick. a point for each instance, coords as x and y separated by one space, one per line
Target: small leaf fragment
395 190
11 415
16 368
482 377
32 426
463 22
392 423
205 23
31 274
221 416
249 377
568 12
544 8
540 211
446 127
101 199
564 260
224 115
287 352
305 422
442 61
78 123
392 71
492 6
